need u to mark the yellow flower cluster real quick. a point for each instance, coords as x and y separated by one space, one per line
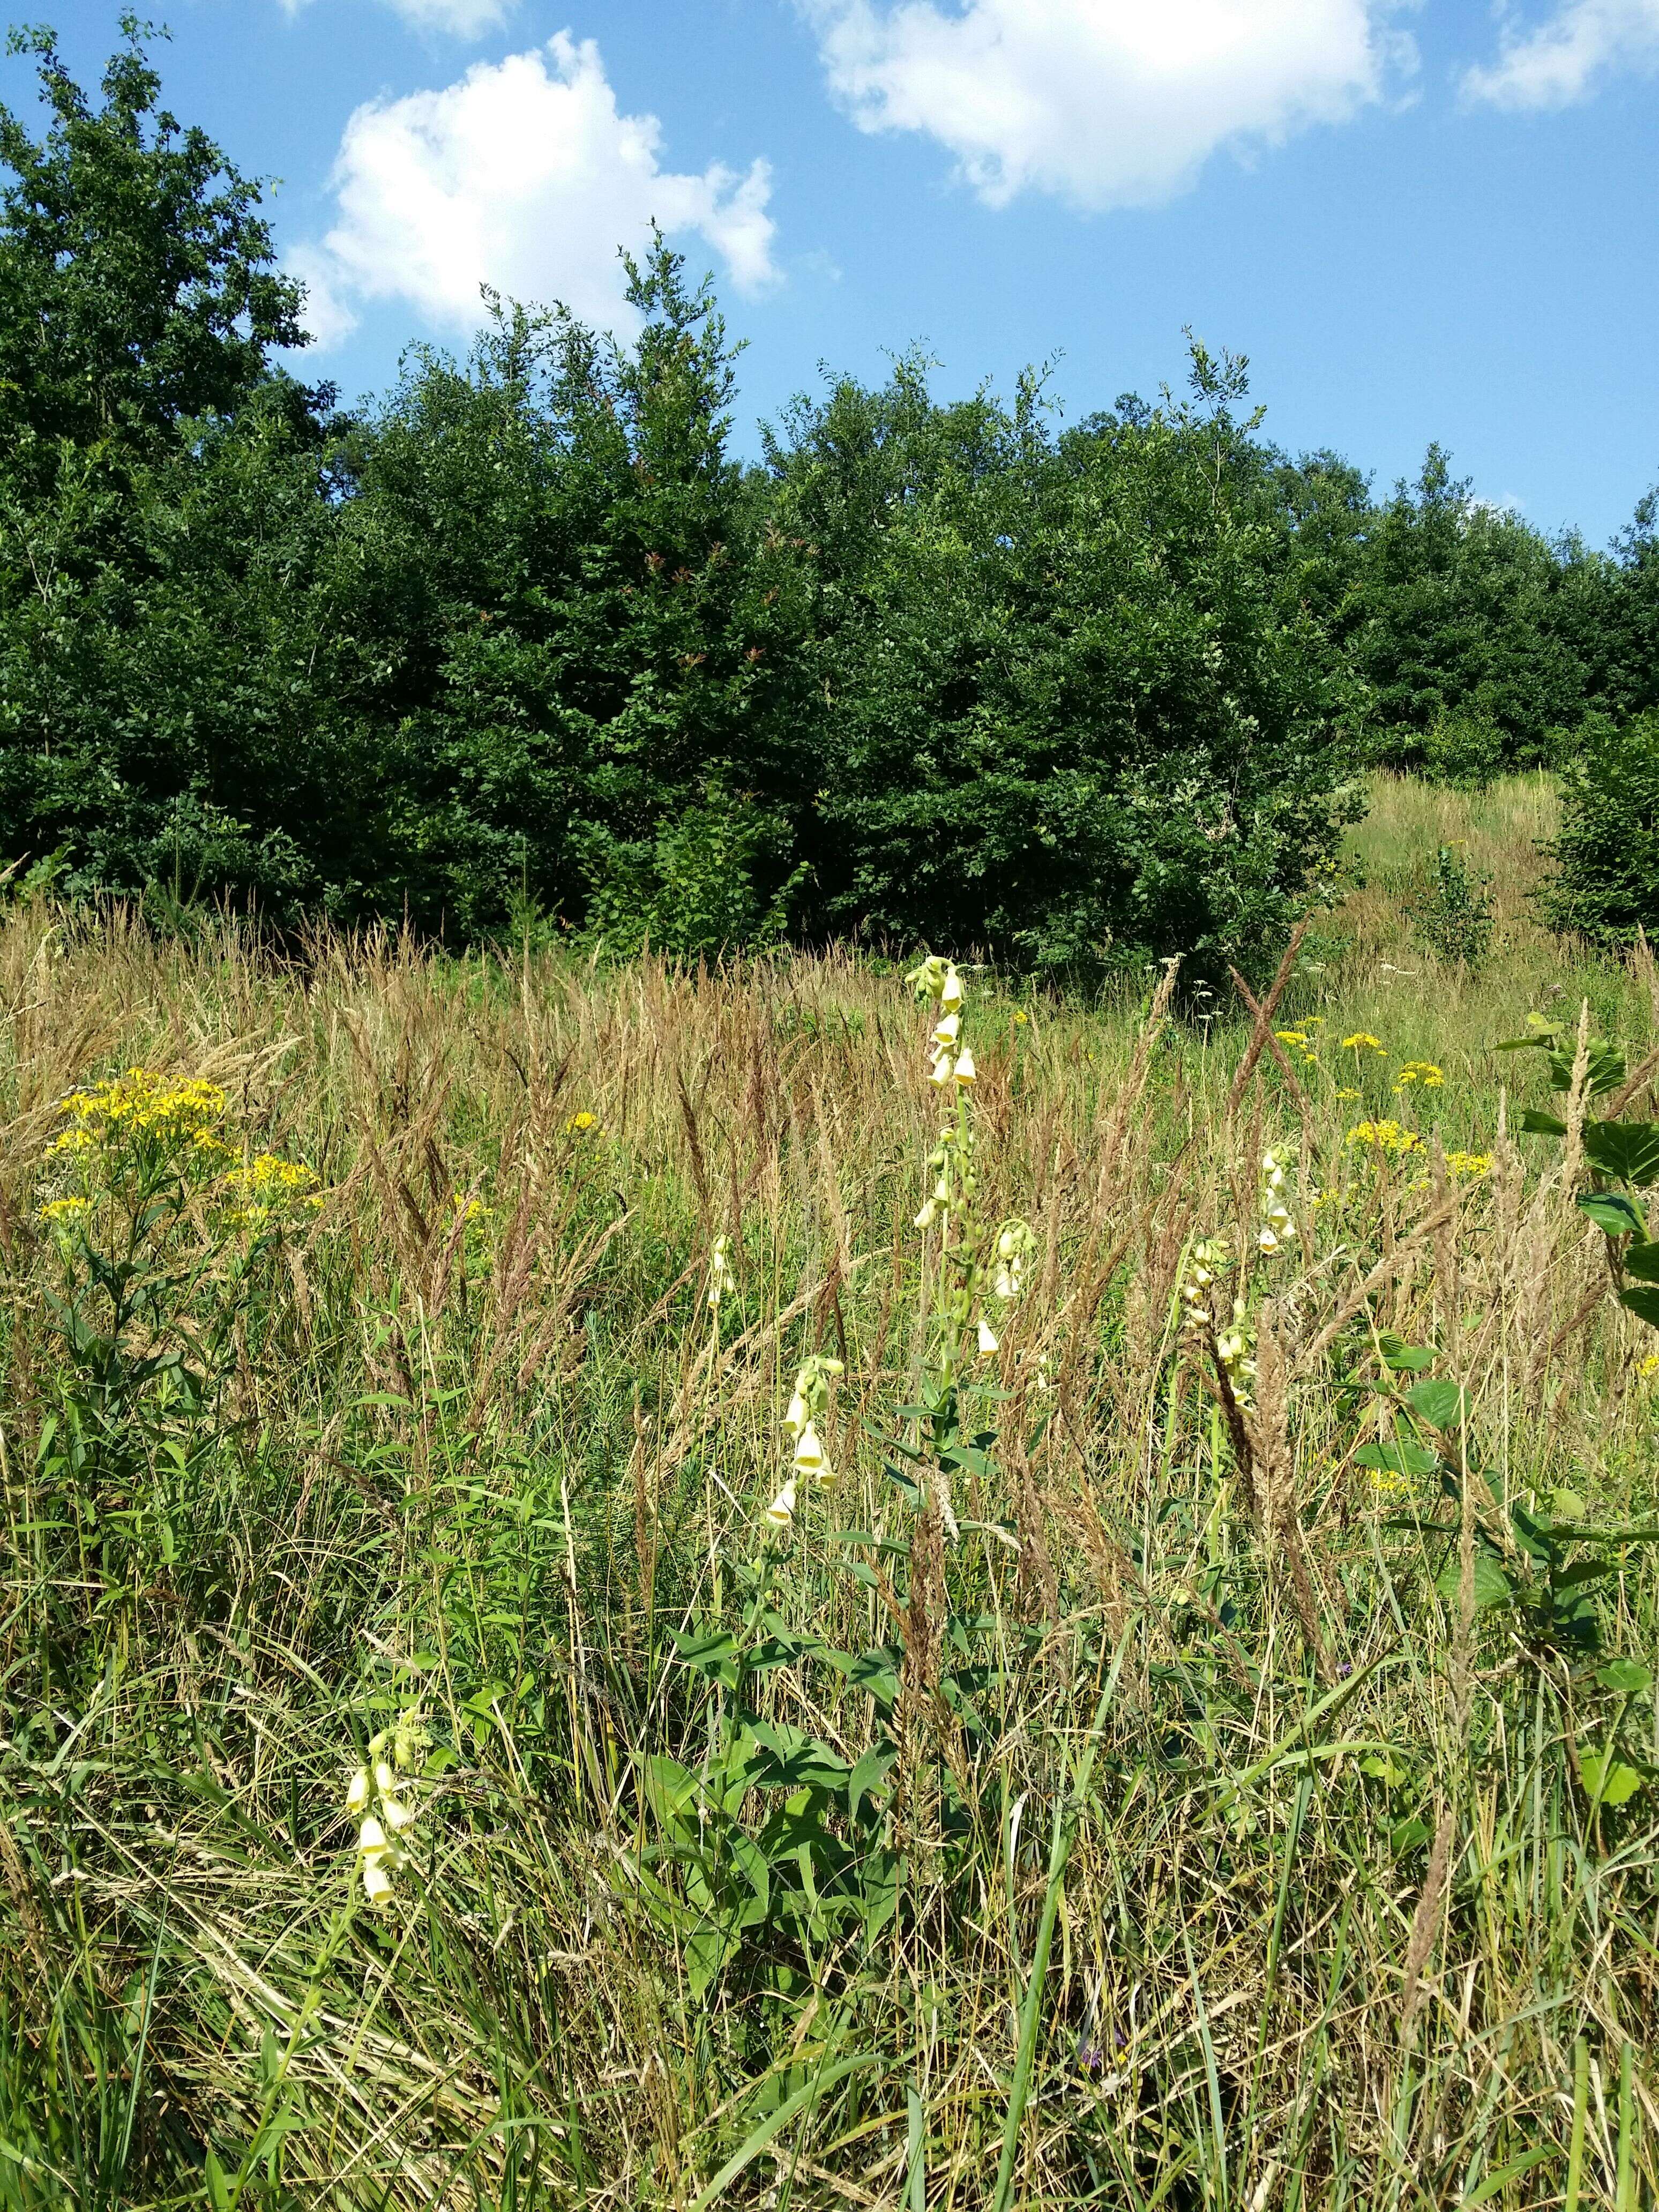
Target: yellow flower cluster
1362 1041
579 1124
809 1398
1385 1137
1419 1070
141 1103
1469 1163
1303 1042
63 1209
382 1815
264 1185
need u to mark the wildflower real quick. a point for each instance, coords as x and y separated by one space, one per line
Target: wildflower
1385 1137
1015 1245
579 1124
808 1451
372 1797
986 1336
950 993
720 1278
781 1512
1292 1036
941 1071
1419 1070
1362 1041
927 1213
1348 1098
1021 1017
1276 1222
63 1209
949 1030
1234 1346
1469 1163
965 1070
1650 1366
1206 1259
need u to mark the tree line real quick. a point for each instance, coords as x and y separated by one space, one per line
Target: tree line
523 644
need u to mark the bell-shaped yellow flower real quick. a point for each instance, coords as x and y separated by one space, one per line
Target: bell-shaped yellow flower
781 1512
988 1341
965 1070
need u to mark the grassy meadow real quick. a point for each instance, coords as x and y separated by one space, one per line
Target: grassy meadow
1188 1754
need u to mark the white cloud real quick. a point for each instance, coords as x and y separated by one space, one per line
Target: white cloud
1556 62
463 19
522 176
1107 102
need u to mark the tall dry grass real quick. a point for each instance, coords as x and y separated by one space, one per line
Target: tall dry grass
1202 1718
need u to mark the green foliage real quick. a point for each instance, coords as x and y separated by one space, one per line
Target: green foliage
1606 880
521 643
1078 719
1465 623
1448 907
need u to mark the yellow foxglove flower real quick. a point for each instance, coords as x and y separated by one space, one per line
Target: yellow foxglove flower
398 1815
940 1071
809 1452
377 1882
988 1341
965 1070
950 993
949 1030
720 1278
384 1779
781 1512
796 1417
925 1218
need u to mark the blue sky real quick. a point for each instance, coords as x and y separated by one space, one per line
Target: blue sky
1436 221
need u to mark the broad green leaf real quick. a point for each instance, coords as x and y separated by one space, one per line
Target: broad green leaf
1628 1676
1642 1260
1534 1122
1408 1836
1566 1505
1413 1359
1438 1403
1397 1459
868 1775
1492 1585
1643 1302
1628 1150
711 1651
1607 1778
1610 1209
1383 1767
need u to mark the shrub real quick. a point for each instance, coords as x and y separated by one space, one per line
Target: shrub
1606 880
1448 906
1464 749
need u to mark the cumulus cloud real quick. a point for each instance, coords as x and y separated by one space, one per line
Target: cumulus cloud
463 19
1109 103
523 175
1557 62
